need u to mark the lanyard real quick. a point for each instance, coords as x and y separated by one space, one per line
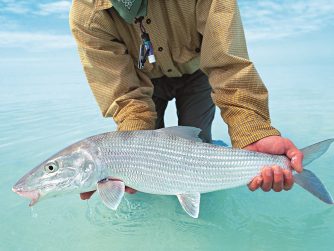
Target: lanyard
146 48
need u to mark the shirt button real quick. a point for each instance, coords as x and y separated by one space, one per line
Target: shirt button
169 70
198 50
148 21
160 49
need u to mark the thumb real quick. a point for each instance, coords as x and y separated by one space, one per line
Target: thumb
296 156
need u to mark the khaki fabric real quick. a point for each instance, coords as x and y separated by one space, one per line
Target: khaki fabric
186 35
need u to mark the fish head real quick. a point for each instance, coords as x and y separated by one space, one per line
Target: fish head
70 170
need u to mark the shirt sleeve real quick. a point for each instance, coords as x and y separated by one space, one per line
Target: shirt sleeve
237 87
122 91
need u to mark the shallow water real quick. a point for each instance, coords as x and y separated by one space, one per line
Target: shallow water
42 114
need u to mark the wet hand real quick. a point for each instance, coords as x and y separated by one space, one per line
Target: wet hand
275 177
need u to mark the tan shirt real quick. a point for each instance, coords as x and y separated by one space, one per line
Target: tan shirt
186 35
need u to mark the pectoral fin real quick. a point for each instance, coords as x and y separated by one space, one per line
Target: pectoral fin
111 192
190 203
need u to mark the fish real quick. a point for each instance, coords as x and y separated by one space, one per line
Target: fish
167 161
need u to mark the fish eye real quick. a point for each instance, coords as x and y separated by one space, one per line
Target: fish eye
51 167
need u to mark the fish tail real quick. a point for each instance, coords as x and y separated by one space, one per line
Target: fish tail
315 151
307 179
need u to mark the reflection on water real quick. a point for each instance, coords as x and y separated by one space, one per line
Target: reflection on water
47 118
33 213
131 214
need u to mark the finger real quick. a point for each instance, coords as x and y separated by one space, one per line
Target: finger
130 190
297 161
267 175
278 179
288 179
255 183
87 195
295 155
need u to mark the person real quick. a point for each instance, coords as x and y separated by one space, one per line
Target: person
140 54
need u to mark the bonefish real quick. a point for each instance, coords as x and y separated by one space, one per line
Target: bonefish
168 161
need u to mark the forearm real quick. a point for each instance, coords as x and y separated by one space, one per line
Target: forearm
243 100
136 110
237 88
121 91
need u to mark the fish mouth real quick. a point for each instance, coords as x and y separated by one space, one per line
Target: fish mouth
33 195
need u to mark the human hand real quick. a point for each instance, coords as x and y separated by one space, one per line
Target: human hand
87 195
275 177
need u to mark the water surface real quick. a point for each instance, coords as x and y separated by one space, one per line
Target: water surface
41 114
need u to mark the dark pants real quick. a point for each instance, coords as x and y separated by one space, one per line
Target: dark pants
193 101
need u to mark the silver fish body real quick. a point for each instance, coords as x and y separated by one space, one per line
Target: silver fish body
169 161
161 163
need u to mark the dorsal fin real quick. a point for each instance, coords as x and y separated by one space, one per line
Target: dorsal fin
186 132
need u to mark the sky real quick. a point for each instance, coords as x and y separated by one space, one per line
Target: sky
291 43
36 34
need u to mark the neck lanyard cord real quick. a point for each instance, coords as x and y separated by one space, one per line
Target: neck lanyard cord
146 48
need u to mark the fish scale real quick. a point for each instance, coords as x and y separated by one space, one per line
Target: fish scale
147 157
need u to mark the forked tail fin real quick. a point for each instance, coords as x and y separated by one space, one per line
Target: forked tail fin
307 179
315 151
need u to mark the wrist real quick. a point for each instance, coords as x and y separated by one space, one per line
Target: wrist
250 132
136 124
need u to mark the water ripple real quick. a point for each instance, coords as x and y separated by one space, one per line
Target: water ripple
132 213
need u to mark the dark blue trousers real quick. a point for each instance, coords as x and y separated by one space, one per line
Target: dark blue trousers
192 93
